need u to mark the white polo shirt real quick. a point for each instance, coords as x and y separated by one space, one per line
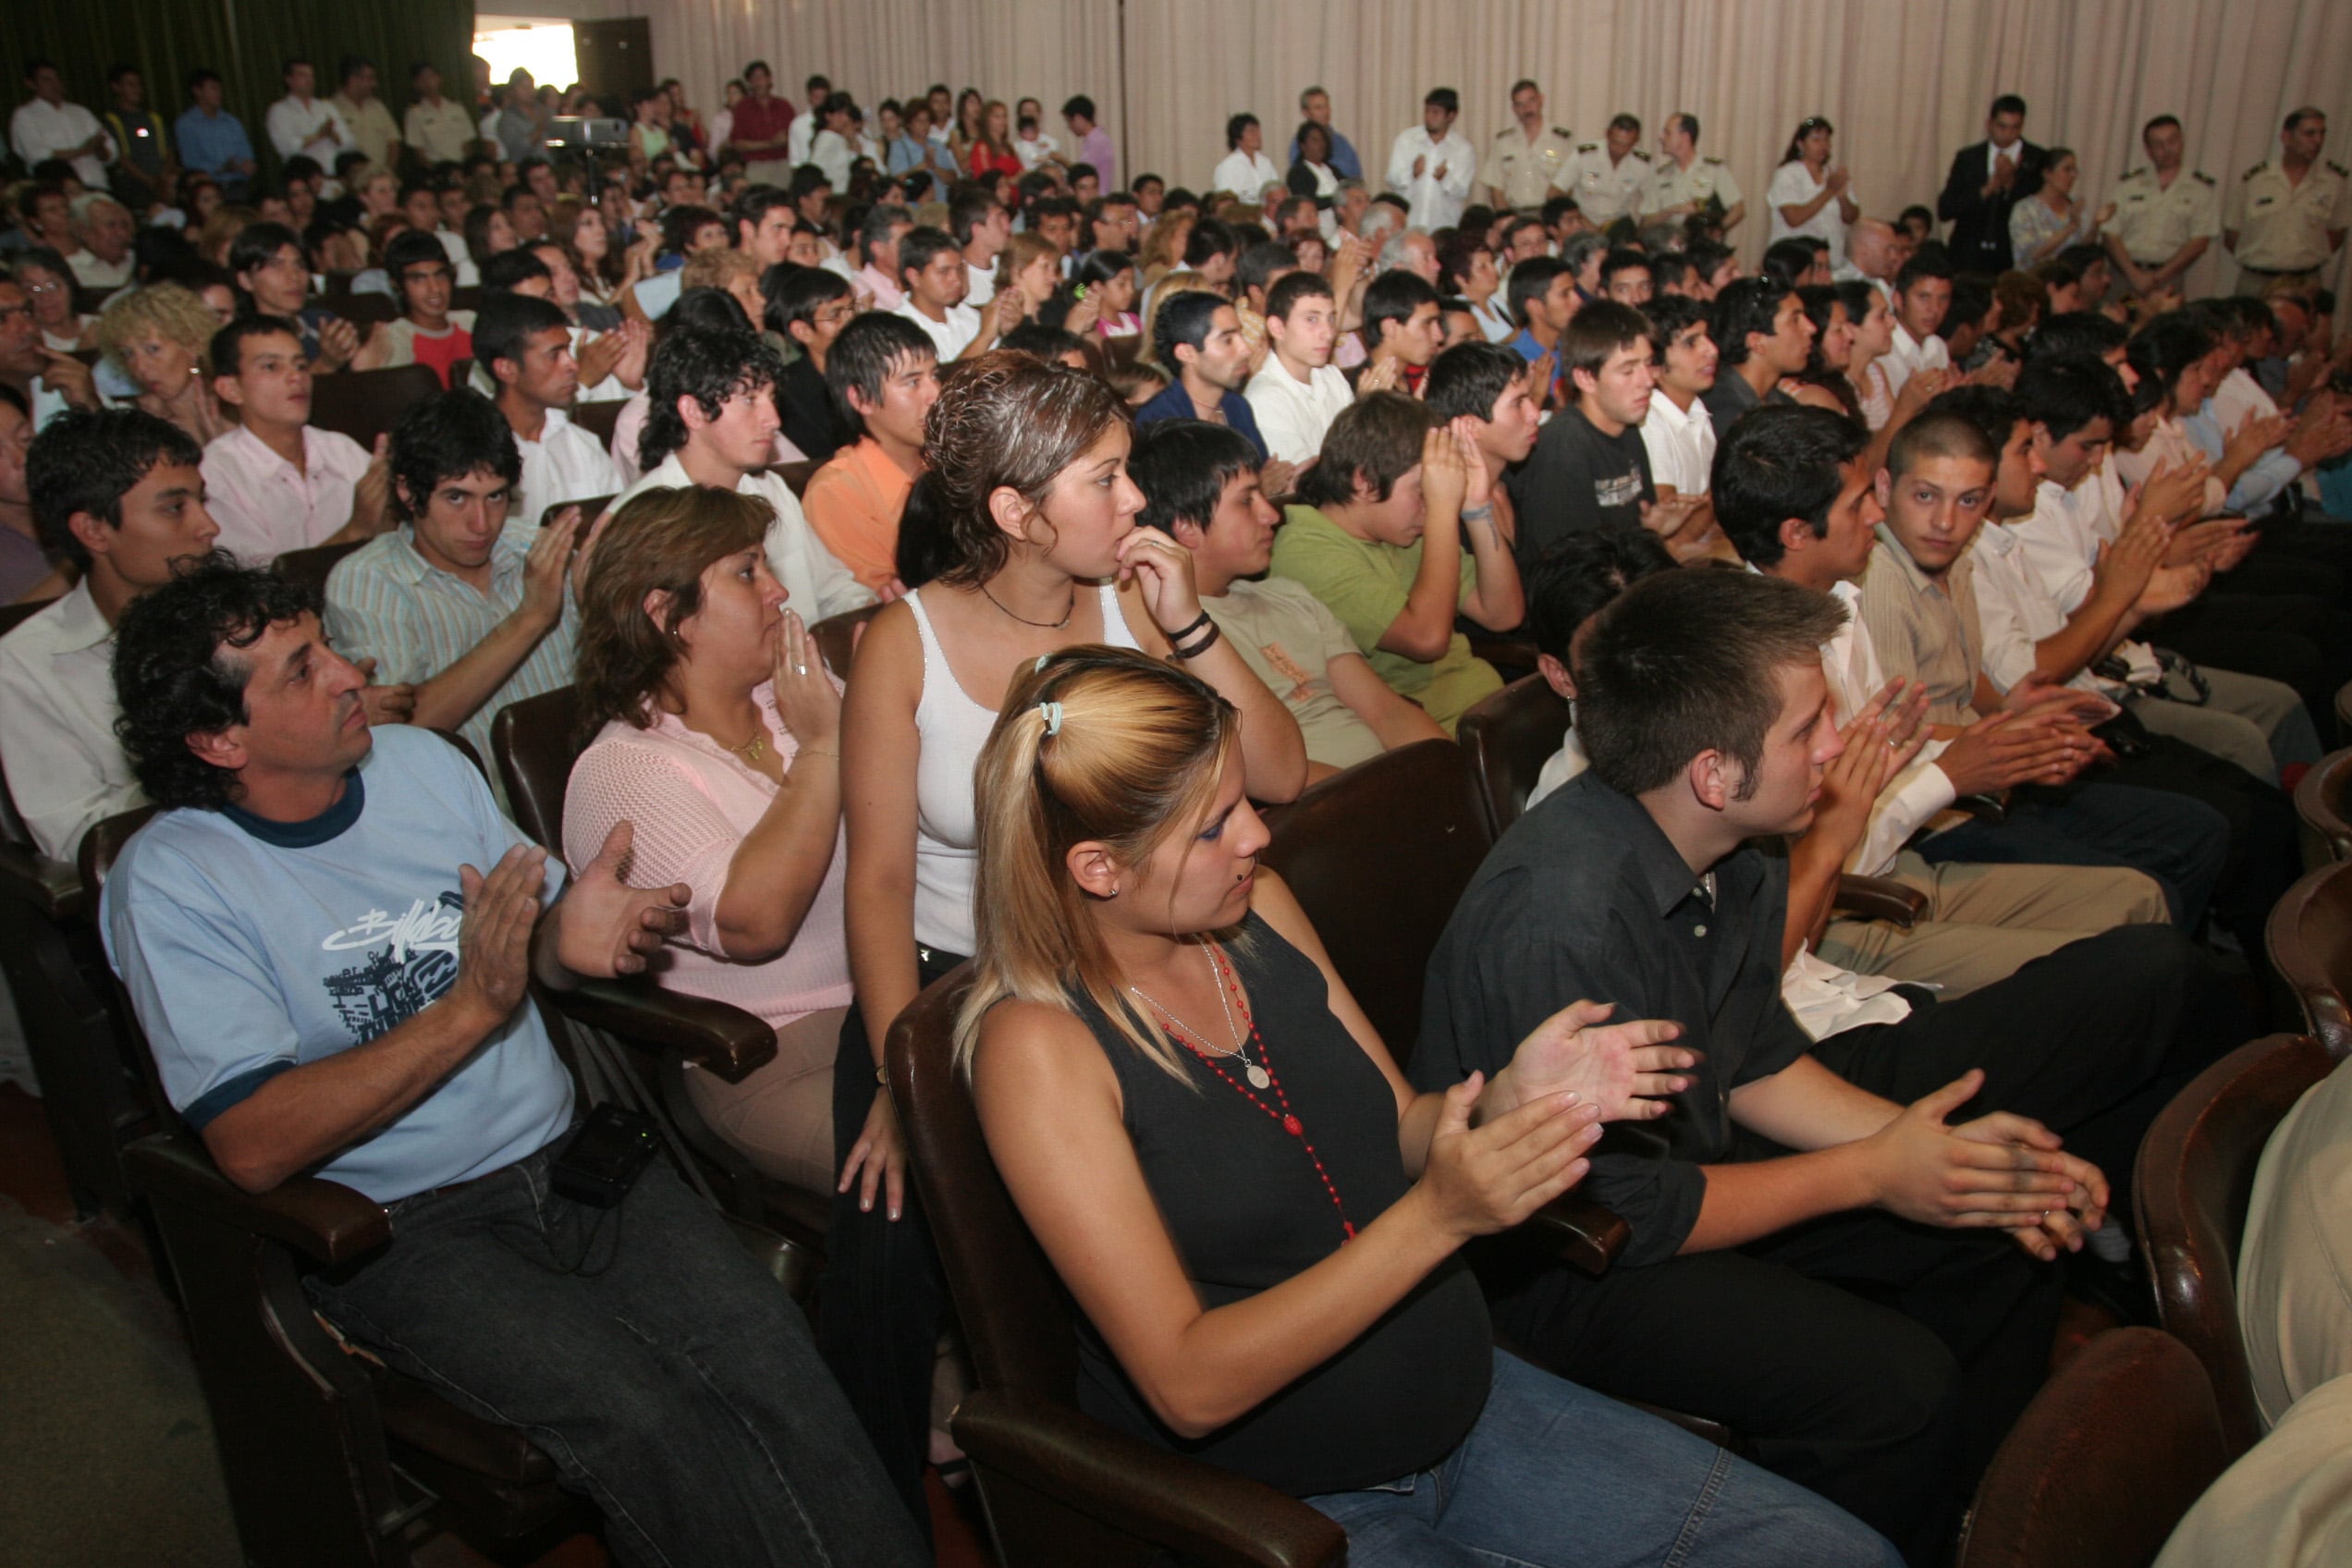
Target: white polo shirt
265 505
950 336
565 464
1908 355
1293 415
815 583
1681 444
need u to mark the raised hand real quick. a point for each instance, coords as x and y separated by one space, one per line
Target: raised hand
338 342
1479 490
1379 377
599 355
1624 1070
1276 478
494 938
805 699
544 568
1162 572
1481 1180
68 377
1445 479
608 927
2004 750
372 497
385 704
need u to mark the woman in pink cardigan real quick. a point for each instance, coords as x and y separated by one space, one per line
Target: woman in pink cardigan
717 734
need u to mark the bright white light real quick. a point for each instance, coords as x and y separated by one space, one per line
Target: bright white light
542 48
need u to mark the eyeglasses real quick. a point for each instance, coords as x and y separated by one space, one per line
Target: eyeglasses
50 286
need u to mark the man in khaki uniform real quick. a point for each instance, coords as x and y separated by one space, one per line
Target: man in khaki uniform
373 130
1682 182
2287 216
1604 176
1525 162
2166 215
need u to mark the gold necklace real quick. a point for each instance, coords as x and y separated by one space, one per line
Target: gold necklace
755 748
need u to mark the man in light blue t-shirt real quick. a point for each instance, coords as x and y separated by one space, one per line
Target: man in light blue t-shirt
328 936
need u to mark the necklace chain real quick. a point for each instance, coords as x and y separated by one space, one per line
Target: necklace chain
1040 625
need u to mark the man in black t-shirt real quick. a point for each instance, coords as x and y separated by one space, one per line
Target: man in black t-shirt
1590 469
812 304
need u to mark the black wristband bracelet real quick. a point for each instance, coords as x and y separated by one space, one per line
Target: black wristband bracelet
1176 637
1207 642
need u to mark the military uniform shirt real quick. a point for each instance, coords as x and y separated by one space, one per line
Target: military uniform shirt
1604 191
1524 172
2284 227
1670 187
2154 222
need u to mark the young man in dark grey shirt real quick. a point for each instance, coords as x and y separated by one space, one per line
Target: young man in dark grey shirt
1589 469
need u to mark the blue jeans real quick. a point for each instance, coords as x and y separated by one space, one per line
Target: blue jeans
668 1377
2181 842
1555 1474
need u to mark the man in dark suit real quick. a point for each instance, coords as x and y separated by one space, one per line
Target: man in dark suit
1989 177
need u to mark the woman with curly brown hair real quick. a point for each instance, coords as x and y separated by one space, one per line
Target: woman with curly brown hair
717 734
1026 471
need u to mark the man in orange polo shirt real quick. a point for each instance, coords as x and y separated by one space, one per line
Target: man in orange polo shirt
883 373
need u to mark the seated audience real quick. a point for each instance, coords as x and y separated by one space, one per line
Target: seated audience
524 346
808 307
157 337
1401 332
1298 392
1491 391
471 608
932 270
104 227
26 573
1394 531
883 377
1590 467
1797 502
1922 295
273 273
276 482
1201 488
1040 552
1198 337
1822 1256
711 419
1228 1317
49 287
1762 337
401 1055
1678 433
717 732
426 331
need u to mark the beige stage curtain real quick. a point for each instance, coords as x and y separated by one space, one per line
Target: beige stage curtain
1906 82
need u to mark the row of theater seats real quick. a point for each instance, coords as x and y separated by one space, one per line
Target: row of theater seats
332 1459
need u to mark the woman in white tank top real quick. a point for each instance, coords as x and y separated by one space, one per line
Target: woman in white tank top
1029 484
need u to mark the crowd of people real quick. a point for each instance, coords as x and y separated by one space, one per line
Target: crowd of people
1951 545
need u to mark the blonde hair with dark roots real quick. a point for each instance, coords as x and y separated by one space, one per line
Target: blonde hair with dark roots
1006 420
1137 754
665 540
167 310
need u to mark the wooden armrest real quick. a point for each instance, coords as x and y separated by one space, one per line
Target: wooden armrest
50 886
1879 898
1197 1512
1984 808
325 1221
718 1036
1578 1232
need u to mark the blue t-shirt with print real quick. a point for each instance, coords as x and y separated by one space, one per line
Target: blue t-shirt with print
251 947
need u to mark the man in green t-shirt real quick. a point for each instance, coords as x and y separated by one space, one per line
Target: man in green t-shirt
1396 536
1201 487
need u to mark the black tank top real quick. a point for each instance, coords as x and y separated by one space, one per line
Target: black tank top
1242 1199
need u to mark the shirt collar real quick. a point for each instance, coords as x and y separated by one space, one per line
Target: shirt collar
1664 875
1892 551
79 624
328 824
408 563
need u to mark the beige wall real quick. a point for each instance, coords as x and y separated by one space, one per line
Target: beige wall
1906 82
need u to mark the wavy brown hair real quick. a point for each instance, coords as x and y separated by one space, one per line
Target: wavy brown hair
664 540
1006 420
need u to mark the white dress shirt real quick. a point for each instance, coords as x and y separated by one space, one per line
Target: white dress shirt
39 130
984 284
798 135
1293 415
2058 543
265 506
815 583
317 127
1246 174
1681 444
1436 204
950 336
91 273
1909 356
565 464
65 770
831 152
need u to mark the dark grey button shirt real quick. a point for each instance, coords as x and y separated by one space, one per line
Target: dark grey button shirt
1586 896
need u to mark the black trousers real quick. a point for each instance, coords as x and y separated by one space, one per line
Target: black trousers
1877 1361
2303 640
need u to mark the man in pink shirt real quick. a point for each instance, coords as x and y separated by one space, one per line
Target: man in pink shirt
878 247
884 375
275 483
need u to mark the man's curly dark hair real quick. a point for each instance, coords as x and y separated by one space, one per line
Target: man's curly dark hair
707 366
453 435
173 682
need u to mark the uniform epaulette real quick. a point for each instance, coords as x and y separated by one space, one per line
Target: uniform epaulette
1588 146
1717 162
2340 172
1562 132
2133 173
2201 175
2258 168
1641 155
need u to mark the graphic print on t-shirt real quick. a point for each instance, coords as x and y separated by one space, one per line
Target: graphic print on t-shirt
1289 668
1622 491
414 961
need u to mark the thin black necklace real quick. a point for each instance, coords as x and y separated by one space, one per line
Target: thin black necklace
1040 625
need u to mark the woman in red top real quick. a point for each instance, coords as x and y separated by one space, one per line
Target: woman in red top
992 151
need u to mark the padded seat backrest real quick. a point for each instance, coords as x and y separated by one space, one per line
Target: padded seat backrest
1379 855
534 743
836 637
364 404
1510 735
599 418
591 508
2323 800
2107 1458
796 476
2309 936
2192 1185
311 567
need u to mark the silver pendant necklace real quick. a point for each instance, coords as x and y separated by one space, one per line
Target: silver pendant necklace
1258 1077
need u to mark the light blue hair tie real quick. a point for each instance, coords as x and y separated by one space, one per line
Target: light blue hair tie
1053 717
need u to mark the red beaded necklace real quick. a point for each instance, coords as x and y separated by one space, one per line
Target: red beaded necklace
1286 1118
